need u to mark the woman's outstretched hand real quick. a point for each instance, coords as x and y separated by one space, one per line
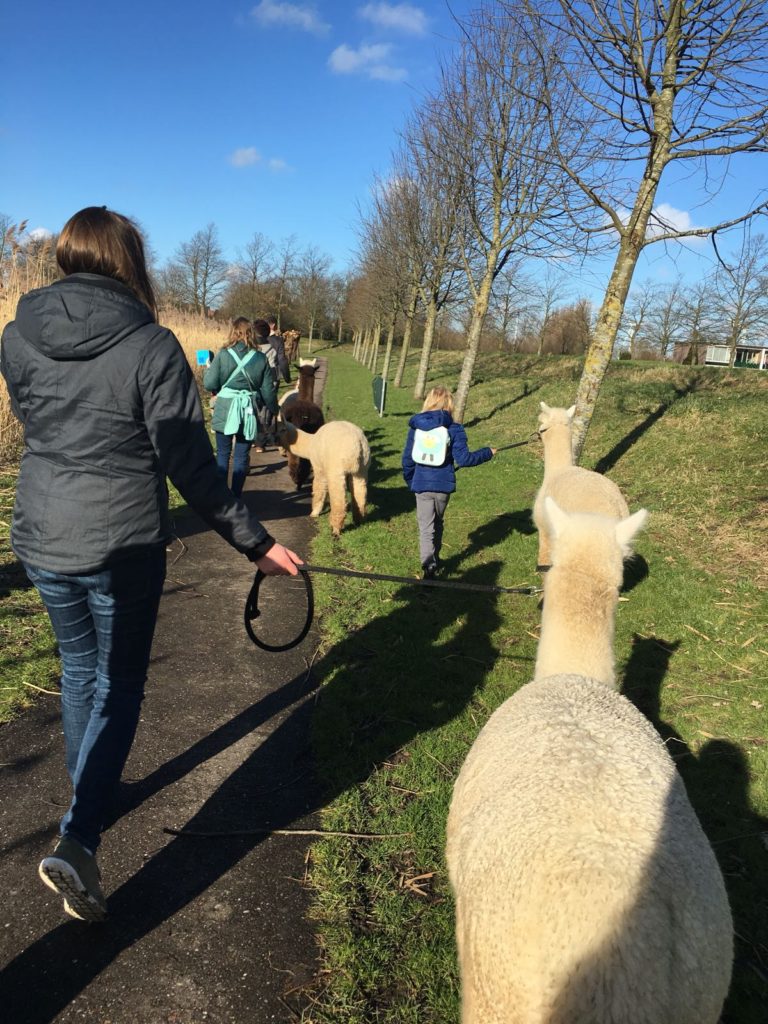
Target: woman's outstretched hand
279 561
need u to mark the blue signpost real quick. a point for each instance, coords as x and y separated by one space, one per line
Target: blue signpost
204 356
379 394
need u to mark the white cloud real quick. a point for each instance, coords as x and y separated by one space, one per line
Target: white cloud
663 219
277 165
367 60
245 157
402 17
301 16
40 233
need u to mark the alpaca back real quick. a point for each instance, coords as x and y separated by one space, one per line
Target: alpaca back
586 891
341 447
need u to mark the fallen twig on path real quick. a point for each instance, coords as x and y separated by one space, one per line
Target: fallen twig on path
285 832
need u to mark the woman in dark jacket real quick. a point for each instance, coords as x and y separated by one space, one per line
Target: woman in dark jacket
434 483
110 409
239 372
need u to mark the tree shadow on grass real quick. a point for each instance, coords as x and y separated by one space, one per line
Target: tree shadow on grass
717 781
386 683
607 462
526 392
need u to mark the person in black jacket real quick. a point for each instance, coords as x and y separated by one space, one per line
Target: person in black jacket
110 408
275 339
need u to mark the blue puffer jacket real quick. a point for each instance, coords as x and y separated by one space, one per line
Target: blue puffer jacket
439 478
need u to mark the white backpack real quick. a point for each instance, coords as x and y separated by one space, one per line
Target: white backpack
430 447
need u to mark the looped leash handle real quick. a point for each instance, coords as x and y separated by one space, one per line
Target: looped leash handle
252 612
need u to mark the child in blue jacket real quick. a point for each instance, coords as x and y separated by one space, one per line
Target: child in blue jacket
434 484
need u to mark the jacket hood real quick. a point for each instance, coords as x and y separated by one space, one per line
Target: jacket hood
430 420
80 316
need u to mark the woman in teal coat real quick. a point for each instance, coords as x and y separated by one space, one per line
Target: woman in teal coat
239 374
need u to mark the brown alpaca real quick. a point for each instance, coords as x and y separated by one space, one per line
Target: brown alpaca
340 458
301 411
291 342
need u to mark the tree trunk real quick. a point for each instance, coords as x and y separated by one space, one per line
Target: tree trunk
388 349
420 387
311 333
375 348
408 331
473 343
600 350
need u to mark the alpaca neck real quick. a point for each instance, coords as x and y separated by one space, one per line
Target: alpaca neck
577 626
307 387
558 450
300 443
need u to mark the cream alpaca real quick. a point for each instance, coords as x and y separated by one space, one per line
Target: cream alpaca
573 488
586 891
340 456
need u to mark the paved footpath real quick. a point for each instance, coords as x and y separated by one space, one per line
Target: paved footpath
201 929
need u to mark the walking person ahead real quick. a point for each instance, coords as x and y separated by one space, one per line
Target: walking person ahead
241 379
434 444
110 408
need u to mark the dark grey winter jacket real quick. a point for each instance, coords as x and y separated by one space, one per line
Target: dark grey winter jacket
110 408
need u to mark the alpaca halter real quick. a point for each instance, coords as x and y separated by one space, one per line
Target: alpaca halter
252 601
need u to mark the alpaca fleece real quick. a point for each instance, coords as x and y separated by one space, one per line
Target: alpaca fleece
573 488
586 891
340 458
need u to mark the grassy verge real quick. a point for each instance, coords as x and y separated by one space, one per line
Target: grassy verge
409 678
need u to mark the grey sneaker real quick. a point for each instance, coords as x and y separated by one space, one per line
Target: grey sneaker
72 871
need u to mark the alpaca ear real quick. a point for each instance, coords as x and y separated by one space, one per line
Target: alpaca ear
544 407
569 412
556 518
628 528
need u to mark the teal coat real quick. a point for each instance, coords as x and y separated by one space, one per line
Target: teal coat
257 378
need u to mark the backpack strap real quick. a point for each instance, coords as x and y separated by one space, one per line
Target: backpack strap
240 367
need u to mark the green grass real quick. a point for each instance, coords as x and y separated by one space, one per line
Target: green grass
409 678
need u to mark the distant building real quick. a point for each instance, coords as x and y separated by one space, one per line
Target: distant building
752 355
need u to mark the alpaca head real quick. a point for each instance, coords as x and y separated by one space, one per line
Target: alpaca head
592 544
554 417
287 434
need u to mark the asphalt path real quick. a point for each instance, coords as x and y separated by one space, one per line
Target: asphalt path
200 929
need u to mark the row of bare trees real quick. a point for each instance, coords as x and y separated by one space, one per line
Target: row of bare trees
296 285
548 138
728 307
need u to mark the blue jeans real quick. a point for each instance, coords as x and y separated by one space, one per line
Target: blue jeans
240 463
104 623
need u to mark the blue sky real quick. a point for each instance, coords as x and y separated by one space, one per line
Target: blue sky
271 116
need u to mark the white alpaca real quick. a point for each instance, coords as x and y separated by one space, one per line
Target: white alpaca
586 891
340 458
573 488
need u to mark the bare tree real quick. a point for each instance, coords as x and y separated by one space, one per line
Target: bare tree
254 268
312 287
200 270
653 84
495 137
741 294
700 322
285 268
666 322
634 316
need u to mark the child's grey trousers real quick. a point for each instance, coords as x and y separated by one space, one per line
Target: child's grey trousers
430 509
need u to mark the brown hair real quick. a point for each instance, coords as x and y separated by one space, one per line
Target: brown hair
241 329
438 398
99 241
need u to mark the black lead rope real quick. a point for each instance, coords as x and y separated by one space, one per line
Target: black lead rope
252 602
518 444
